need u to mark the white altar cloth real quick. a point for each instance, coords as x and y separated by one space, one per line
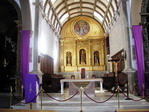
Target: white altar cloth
82 80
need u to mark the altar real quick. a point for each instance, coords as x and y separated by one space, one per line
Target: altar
91 84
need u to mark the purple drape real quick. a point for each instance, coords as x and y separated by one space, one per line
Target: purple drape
137 33
25 42
31 88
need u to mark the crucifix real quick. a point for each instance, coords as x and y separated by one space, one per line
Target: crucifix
115 62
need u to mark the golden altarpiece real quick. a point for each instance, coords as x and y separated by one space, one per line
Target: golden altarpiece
82 45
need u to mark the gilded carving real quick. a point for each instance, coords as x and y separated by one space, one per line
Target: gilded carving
96 58
68 59
83 45
82 57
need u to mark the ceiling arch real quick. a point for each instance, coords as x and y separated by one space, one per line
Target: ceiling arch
64 10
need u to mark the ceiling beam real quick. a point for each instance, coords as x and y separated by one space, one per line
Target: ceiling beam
107 10
67 8
116 4
81 6
79 3
77 11
94 8
55 13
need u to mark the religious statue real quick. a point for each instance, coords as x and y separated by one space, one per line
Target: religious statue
82 56
96 58
68 59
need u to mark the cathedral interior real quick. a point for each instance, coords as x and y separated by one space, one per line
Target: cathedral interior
71 38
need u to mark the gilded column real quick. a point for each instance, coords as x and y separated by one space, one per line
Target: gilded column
62 55
75 53
89 53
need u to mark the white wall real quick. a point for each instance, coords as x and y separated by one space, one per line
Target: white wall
119 37
49 42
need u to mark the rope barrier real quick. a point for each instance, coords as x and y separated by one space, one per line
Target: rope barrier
34 97
27 102
133 89
17 97
62 100
132 98
98 101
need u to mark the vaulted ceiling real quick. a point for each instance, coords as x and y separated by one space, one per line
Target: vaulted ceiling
57 12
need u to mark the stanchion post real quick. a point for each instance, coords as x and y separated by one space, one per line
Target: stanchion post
10 97
81 89
128 90
22 91
143 92
134 91
41 97
30 105
118 90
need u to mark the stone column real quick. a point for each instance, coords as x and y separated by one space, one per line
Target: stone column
36 66
62 55
89 53
35 38
18 53
128 47
128 34
19 26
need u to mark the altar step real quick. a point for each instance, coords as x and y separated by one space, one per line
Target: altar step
87 107
74 105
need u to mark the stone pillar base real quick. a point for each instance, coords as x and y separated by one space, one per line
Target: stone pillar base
132 78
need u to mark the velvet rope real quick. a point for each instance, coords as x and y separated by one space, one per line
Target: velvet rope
131 91
29 101
62 100
34 97
19 96
98 101
132 98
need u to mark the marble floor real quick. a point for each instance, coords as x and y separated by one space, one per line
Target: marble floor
74 104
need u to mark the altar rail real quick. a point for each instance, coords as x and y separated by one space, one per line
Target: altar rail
22 110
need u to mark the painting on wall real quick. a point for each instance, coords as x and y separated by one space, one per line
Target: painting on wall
81 27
